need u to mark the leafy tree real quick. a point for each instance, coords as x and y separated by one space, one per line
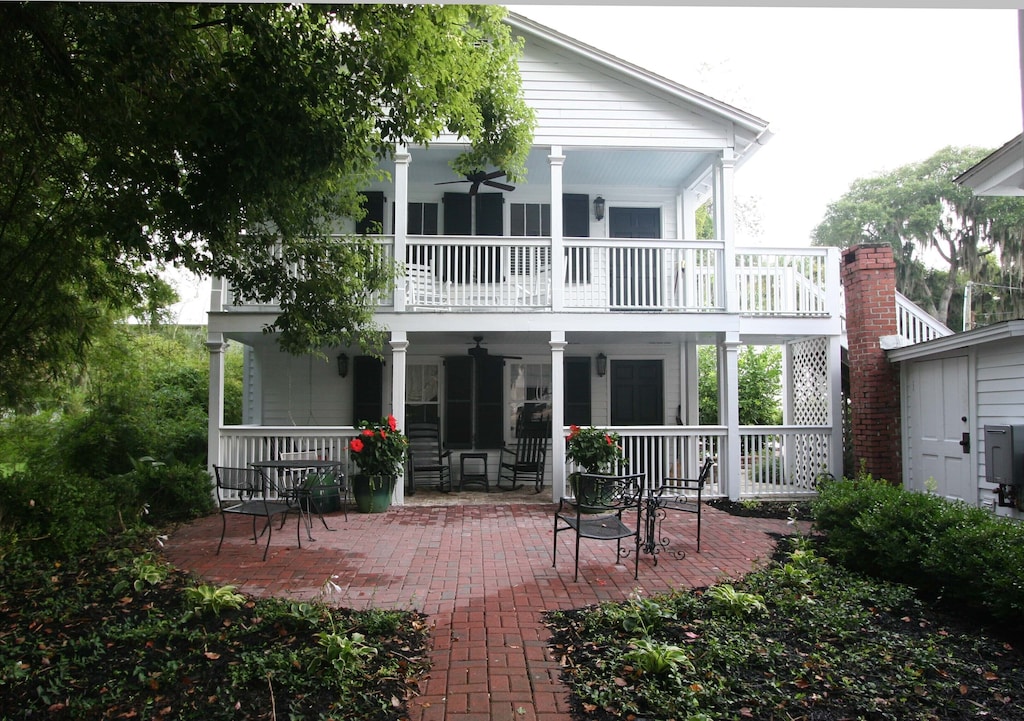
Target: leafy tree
924 215
760 385
224 139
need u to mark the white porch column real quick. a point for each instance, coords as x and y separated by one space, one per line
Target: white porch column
835 403
556 161
725 225
729 414
216 345
401 229
558 345
399 345
689 201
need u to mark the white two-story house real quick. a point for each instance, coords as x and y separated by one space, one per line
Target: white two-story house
579 296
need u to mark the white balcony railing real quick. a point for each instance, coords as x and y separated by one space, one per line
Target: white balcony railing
446 273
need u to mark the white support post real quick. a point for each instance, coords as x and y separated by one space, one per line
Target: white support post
556 161
401 229
216 345
725 226
835 404
558 345
399 345
729 412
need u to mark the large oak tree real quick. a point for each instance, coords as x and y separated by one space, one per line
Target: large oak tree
942 235
225 139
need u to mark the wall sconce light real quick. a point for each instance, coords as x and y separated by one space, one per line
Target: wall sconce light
602 364
599 208
342 365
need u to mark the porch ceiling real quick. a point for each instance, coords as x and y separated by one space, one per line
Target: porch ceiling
604 168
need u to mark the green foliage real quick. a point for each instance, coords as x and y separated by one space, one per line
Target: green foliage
823 643
347 653
102 635
760 385
963 554
205 598
270 121
919 211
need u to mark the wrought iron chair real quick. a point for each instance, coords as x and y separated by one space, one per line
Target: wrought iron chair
429 462
245 492
605 508
682 495
526 460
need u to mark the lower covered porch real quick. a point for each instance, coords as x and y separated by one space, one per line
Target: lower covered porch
484 388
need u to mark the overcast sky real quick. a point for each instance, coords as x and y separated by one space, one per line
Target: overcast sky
848 93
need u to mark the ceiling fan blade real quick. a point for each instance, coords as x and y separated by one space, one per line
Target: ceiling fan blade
491 175
452 182
500 186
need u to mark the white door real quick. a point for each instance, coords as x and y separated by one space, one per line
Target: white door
938 418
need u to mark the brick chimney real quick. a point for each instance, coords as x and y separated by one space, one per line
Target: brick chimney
869 279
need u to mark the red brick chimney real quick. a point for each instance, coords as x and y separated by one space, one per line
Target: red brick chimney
869 279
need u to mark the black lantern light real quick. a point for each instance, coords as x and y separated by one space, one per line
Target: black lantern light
602 364
342 365
599 208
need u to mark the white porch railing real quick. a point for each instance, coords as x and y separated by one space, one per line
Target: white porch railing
775 461
914 324
477 273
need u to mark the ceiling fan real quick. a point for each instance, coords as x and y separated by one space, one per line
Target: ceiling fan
479 351
481 178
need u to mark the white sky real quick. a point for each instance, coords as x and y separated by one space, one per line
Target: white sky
848 92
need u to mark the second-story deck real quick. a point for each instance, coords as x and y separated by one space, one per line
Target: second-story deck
456 273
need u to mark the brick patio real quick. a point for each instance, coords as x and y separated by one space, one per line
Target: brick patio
483 575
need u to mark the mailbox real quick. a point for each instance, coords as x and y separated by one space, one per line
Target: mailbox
1004 455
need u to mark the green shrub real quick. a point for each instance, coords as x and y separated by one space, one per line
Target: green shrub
947 549
166 491
57 514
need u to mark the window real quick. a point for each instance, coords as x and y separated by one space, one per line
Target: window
422 402
530 220
529 396
422 219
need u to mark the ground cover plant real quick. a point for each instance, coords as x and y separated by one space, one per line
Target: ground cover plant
801 638
119 634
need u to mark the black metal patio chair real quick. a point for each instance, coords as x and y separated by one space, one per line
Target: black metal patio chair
682 495
605 508
246 492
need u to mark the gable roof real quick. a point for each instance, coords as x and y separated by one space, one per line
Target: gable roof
1001 172
749 131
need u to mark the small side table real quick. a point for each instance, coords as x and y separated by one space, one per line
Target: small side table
476 473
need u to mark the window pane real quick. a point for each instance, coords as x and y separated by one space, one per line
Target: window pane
529 395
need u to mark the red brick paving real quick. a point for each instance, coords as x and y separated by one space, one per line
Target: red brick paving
482 574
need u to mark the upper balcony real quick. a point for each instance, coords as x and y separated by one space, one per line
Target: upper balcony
503 274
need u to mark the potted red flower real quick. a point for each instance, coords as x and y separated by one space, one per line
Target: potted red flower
378 451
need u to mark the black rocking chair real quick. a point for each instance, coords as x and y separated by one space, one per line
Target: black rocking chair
527 460
429 463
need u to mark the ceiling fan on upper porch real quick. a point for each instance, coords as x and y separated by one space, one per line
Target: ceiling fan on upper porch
482 178
479 351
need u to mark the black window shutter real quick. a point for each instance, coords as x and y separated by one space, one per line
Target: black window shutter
458 215
577 391
458 401
367 389
575 215
488 214
489 402
373 220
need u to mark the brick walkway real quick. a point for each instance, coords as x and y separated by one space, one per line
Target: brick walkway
483 575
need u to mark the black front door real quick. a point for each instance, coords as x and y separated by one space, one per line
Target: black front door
635 276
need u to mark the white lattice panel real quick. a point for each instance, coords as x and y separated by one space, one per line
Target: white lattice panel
809 386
